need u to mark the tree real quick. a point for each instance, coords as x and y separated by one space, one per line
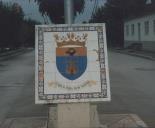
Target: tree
113 14
11 19
55 9
15 31
27 33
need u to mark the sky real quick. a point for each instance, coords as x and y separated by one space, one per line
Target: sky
89 6
31 10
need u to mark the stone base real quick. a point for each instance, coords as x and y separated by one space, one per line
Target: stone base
75 115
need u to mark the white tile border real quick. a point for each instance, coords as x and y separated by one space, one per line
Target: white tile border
40 97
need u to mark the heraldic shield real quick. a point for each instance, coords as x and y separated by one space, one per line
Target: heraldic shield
71 56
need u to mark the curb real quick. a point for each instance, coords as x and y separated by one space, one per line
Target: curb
10 52
13 53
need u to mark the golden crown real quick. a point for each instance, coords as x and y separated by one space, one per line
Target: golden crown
71 39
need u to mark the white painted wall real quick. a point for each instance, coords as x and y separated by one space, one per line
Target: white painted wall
147 40
144 37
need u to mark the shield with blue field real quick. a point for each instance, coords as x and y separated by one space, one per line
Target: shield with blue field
71 55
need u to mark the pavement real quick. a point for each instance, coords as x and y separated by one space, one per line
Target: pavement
107 120
138 53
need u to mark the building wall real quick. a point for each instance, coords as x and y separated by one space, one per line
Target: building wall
144 34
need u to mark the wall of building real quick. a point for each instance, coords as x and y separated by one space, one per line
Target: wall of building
144 34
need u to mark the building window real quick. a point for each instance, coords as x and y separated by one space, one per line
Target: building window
127 30
146 24
132 29
139 31
154 26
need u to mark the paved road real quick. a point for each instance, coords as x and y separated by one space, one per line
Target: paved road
132 87
17 88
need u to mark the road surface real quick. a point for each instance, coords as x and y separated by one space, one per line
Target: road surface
17 88
132 87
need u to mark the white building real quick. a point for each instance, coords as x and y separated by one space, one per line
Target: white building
140 31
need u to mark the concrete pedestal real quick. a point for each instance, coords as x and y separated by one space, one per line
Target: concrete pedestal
75 115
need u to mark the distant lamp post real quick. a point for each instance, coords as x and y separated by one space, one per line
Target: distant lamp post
148 1
16 8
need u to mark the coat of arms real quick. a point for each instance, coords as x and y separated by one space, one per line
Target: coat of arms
71 55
